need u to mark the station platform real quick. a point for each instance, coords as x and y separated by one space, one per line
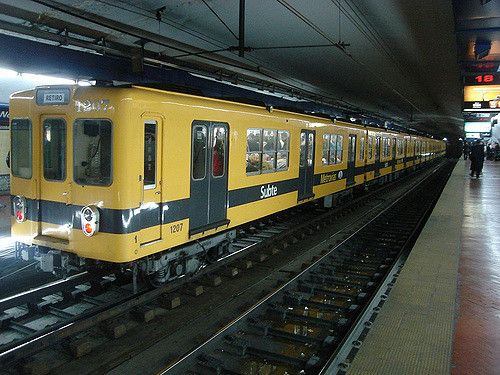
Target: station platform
443 314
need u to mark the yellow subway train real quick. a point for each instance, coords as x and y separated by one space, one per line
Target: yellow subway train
135 176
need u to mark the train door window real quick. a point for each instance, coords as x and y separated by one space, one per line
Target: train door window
377 149
199 152
269 150
310 149
54 149
362 148
21 154
150 154
219 151
303 156
352 148
338 154
283 150
92 152
370 147
254 151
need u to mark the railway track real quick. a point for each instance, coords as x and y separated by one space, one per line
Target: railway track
315 322
37 319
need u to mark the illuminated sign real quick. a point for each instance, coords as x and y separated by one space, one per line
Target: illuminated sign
485 98
477 127
483 79
479 67
472 135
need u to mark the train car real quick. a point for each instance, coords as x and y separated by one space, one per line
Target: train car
139 177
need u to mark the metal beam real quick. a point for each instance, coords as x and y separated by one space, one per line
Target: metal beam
241 36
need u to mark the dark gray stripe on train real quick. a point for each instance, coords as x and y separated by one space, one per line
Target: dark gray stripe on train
255 193
114 221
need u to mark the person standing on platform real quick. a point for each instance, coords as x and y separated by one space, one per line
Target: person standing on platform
476 158
466 150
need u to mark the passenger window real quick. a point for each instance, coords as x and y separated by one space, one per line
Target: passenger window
362 148
21 152
326 148
269 146
219 151
254 151
150 155
54 149
283 150
199 152
370 147
338 155
92 152
267 150
333 149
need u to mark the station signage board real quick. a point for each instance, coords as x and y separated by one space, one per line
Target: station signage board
482 98
483 79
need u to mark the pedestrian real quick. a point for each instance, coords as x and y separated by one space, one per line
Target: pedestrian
476 158
466 150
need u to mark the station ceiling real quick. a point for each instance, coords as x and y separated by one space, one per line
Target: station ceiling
400 60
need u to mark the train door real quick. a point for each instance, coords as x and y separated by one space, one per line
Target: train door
209 155
351 160
306 164
55 214
377 157
151 211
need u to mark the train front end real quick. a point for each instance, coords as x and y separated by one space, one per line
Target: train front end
63 157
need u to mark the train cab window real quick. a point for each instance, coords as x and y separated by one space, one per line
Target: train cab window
92 152
370 147
219 151
150 155
199 152
362 148
21 154
54 149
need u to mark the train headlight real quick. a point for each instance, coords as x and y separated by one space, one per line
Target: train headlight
90 220
19 203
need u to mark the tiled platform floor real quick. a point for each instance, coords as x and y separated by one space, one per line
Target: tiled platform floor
431 324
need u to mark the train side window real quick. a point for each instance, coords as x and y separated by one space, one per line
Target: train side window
54 149
370 147
269 147
283 150
21 150
333 149
254 151
219 151
150 155
362 148
326 149
338 154
92 152
199 157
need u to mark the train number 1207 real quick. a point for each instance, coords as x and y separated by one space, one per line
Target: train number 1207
176 228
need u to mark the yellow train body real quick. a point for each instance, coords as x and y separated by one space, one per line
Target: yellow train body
54 217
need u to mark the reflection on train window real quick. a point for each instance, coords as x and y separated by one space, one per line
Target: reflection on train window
92 152
267 151
20 158
219 151
370 147
150 155
199 152
54 149
362 148
332 149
